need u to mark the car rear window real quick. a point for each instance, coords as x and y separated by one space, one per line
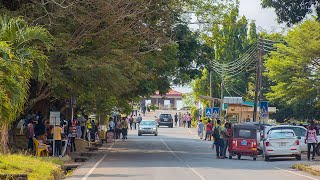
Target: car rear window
165 116
297 130
148 123
283 134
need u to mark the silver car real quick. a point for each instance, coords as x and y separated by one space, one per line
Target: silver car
148 127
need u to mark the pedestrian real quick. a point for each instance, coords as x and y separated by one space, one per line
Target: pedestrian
118 129
135 121
209 127
124 129
176 119
30 134
82 120
226 137
73 130
218 139
189 120
131 122
57 133
139 119
184 119
79 129
311 139
200 129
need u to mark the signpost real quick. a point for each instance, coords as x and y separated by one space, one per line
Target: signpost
209 112
54 120
264 109
216 111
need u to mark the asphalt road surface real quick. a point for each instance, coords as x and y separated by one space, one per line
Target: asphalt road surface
177 153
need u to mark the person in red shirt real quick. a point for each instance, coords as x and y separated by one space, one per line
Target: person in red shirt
209 127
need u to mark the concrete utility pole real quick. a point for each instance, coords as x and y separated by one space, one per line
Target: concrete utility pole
222 86
257 94
210 79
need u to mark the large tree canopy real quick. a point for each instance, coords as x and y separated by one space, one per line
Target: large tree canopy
294 68
293 11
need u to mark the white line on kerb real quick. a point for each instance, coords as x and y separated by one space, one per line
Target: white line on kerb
193 170
97 164
296 173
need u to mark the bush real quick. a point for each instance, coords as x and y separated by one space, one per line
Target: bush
36 168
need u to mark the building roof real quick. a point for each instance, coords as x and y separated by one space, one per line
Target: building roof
171 93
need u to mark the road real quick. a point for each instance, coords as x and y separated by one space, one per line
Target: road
178 154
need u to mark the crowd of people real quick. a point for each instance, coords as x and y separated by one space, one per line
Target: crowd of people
118 126
37 126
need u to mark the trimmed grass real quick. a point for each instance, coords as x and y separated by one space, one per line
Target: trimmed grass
36 168
307 168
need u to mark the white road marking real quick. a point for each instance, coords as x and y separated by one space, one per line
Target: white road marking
97 164
193 170
296 173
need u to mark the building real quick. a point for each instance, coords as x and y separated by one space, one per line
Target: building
170 100
243 112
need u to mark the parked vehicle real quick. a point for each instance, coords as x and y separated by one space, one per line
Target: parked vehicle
299 131
243 141
281 143
148 127
165 120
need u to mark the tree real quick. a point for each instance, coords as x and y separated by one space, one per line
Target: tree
294 68
292 11
22 56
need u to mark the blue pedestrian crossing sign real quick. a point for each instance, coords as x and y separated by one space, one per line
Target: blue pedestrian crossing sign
208 112
215 112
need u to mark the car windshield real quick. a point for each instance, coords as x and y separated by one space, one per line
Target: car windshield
149 123
298 131
165 116
281 134
245 133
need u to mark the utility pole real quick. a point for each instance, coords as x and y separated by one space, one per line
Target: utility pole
222 86
210 79
258 83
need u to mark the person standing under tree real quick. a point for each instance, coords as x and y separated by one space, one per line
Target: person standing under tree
311 139
218 139
200 129
30 134
176 119
209 127
57 132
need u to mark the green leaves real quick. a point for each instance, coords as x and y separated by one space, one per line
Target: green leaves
294 67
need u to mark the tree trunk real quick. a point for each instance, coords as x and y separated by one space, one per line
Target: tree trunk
4 138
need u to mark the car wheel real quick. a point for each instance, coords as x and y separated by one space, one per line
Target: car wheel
266 158
318 149
239 157
254 158
155 134
298 157
230 157
139 134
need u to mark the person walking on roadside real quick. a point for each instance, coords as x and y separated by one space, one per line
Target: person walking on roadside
30 134
124 129
118 129
200 129
311 139
57 132
218 139
209 127
131 122
176 119
139 119
184 119
189 120
226 137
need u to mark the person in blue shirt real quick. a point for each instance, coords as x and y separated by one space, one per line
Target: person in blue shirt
200 129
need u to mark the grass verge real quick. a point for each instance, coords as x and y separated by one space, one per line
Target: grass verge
36 168
307 168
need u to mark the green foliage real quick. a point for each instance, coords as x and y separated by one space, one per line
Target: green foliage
292 11
294 69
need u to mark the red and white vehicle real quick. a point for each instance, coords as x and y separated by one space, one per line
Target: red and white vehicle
281 143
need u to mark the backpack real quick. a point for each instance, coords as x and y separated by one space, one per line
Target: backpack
216 132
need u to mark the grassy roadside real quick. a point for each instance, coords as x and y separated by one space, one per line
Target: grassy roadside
36 168
307 168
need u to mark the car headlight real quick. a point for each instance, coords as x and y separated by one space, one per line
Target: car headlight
154 128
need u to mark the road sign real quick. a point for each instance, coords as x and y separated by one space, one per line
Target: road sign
264 109
215 112
208 112
54 118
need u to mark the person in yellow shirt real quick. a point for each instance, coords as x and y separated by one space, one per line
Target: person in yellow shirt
57 133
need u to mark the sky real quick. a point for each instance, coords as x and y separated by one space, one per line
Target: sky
266 20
